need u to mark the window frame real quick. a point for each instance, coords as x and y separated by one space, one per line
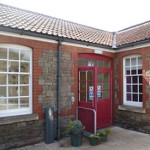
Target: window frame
125 102
19 111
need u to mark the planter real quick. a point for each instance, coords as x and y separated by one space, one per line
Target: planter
104 138
93 141
76 139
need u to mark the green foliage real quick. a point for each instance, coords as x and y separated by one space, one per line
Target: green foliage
75 127
95 136
104 132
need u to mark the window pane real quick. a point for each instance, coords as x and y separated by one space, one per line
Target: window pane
88 62
13 54
139 71
128 97
13 66
106 77
100 76
140 88
139 60
82 85
134 79
128 79
12 91
127 70
140 79
12 79
12 103
82 75
24 102
133 70
135 88
3 79
140 97
82 96
3 101
25 55
133 61
24 79
81 62
135 97
106 85
24 67
89 75
100 63
128 88
3 66
2 91
3 53
127 62
107 64
24 91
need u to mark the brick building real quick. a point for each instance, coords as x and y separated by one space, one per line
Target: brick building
78 70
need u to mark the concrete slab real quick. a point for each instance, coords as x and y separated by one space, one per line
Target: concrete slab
119 139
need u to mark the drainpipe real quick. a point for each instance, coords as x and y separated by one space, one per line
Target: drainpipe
58 87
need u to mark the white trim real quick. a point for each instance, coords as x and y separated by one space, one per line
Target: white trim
19 111
53 41
125 102
133 47
73 44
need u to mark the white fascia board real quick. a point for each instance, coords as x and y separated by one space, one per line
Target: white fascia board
27 37
133 47
96 49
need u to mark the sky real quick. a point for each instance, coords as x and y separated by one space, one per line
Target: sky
109 15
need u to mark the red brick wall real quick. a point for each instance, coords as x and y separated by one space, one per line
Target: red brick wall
144 52
38 48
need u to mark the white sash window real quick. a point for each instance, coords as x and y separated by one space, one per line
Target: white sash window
15 80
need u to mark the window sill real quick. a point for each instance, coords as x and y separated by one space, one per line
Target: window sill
132 109
16 119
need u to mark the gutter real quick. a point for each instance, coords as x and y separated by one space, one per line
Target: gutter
52 37
58 87
132 44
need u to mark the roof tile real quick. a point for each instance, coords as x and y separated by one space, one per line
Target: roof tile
35 22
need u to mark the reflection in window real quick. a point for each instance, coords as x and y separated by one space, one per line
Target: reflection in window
133 80
86 89
94 63
15 80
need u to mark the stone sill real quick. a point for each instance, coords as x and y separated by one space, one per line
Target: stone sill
132 109
16 119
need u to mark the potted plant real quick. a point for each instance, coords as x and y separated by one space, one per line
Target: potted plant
94 139
75 130
104 134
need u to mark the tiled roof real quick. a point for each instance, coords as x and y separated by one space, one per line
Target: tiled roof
134 34
24 20
34 22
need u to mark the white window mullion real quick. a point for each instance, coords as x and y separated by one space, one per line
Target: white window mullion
133 65
27 57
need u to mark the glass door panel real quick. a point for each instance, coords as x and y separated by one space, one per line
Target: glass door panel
86 86
103 87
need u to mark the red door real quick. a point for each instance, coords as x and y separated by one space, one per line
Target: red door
86 97
103 100
95 96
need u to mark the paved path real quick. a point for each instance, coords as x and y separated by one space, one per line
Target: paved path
119 139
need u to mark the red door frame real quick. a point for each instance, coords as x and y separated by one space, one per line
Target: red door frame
95 72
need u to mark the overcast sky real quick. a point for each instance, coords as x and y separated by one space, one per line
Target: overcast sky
110 15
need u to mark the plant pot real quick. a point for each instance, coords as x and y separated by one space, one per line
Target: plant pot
104 138
76 139
93 141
